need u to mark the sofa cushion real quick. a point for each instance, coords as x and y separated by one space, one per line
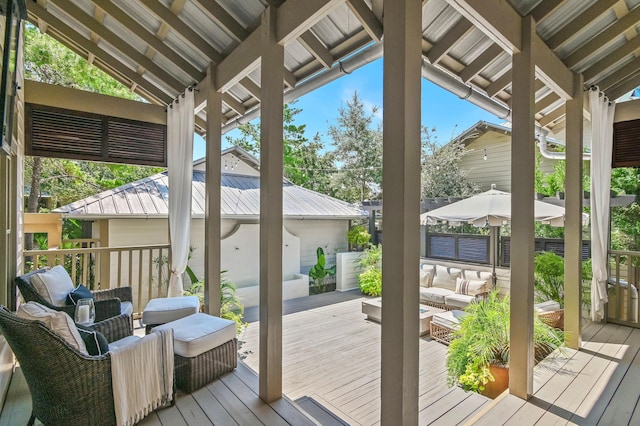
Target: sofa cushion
471 287
426 276
80 292
53 285
459 300
434 294
548 306
57 321
470 274
446 277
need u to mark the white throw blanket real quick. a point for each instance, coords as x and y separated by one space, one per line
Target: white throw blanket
142 376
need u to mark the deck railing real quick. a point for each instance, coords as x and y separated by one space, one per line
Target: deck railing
143 268
622 287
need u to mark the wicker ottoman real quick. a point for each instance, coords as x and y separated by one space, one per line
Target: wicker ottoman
166 309
444 324
205 348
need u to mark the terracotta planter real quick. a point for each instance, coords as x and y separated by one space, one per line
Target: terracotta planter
501 383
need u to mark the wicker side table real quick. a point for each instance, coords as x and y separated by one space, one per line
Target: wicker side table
444 324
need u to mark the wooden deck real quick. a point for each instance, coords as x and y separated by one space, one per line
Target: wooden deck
597 385
332 355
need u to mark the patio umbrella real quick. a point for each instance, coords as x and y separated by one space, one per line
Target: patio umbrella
492 208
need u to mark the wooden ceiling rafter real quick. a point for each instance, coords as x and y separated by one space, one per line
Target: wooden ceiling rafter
35 11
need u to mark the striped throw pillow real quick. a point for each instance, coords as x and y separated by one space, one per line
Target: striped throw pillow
471 287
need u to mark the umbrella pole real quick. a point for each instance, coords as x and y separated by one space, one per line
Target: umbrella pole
493 246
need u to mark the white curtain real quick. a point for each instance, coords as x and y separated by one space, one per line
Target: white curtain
180 128
601 150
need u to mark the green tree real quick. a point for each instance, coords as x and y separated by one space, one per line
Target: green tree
442 175
358 153
625 221
304 163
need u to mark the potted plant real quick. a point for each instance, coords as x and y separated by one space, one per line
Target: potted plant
319 272
358 237
478 358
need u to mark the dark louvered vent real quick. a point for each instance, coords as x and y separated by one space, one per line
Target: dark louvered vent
474 249
626 144
61 133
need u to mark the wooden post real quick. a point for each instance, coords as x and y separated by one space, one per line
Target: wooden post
212 216
573 219
271 166
105 258
523 162
401 189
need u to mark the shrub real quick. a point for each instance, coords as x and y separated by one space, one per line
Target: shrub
358 237
370 282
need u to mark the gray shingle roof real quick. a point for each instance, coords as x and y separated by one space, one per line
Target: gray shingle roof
240 198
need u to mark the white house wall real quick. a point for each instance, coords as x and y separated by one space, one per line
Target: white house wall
497 167
331 235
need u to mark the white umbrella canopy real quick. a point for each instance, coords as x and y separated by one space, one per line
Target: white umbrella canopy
492 208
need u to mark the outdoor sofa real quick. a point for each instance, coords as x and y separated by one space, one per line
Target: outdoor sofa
451 288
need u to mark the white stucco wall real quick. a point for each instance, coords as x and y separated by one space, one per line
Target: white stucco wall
331 235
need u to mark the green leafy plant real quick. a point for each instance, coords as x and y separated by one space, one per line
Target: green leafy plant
358 237
370 282
483 341
548 277
372 257
319 272
230 306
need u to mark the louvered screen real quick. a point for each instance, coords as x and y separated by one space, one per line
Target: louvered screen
442 247
542 244
626 144
60 133
474 249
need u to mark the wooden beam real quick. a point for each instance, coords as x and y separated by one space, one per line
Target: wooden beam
227 22
95 103
289 79
573 219
480 63
618 76
271 167
37 11
234 104
552 117
523 159
183 30
578 23
251 87
499 84
449 40
631 46
367 18
294 17
545 8
316 48
212 215
603 38
124 47
503 24
401 187
624 87
149 38
546 102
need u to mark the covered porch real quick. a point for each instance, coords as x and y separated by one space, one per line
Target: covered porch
526 61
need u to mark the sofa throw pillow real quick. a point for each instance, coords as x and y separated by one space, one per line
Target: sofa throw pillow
446 277
426 277
470 287
80 292
53 285
477 275
94 341
57 321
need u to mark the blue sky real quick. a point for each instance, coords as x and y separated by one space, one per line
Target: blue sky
446 112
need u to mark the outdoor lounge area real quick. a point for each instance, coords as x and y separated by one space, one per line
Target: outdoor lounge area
557 68
339 369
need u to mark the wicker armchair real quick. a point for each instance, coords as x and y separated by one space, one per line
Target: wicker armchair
67 387
107 302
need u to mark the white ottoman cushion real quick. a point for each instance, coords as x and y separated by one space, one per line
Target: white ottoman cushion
449 319
167 309
199 333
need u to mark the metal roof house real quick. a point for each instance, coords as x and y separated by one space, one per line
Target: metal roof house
527 61
136 213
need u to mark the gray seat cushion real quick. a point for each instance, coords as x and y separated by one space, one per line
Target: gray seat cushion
167 309
434 294
459 300
199 333
448 319
126 308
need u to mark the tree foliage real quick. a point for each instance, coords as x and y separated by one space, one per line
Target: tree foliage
304 162
48 61
358 153
442 175
625 221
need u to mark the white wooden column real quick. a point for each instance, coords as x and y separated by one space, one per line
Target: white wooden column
271 166
212 216
573 218
401 191
523 162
